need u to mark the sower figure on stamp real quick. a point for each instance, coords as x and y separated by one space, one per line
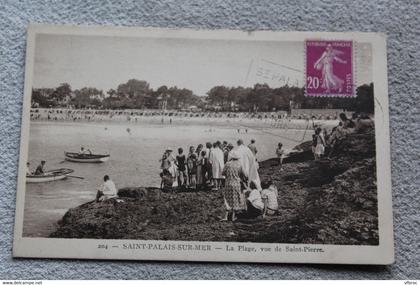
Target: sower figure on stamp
325 63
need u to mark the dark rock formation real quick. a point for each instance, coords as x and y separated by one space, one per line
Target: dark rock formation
331 201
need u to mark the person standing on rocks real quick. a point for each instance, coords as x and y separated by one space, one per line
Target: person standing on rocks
171 159
249 164
217 163
226 152
198 150
201 162
192 167
182 170
280 154
164 161
232 194
192 170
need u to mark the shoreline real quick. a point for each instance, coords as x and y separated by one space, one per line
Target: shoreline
332 201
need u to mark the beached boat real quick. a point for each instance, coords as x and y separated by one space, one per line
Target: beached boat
50 175
92 158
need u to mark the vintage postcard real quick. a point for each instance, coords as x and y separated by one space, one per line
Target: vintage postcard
199 145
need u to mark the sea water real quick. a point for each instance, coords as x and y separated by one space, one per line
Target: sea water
135 151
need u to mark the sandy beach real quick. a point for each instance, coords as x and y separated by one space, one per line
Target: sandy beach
243 121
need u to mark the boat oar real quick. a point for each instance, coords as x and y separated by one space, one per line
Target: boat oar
78 177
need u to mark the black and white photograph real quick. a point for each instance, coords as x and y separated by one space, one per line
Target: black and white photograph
205 137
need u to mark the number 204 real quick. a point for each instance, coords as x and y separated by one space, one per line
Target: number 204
313 82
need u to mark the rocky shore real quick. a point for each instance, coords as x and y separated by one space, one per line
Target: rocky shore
331 201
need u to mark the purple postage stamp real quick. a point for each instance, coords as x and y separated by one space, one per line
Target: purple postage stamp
329 68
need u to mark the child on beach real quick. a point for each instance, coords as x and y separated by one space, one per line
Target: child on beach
280 154
203 168
207 167
269 195
182 170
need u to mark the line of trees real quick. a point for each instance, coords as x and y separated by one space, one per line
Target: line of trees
137 94
134 94
261 97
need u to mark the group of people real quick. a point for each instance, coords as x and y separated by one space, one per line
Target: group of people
221 166
202 166
322 139
245 198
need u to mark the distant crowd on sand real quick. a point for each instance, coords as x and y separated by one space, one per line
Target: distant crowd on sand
166 116
233 169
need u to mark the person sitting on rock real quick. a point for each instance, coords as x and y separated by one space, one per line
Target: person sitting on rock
107 191
180 163
280 154
192 169
320 144
269 195
254 202
346 122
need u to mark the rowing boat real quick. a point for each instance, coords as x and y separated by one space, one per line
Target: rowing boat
50 175
86 157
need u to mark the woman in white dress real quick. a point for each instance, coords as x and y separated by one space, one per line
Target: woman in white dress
216 158
320 144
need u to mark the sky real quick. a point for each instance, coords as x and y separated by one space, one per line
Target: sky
105 62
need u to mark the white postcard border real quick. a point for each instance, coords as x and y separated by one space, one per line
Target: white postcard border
95 248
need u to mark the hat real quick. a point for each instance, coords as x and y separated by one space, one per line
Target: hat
234 155
169 149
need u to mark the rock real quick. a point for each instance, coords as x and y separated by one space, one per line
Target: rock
140 193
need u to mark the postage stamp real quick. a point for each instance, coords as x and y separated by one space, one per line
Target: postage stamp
329 68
